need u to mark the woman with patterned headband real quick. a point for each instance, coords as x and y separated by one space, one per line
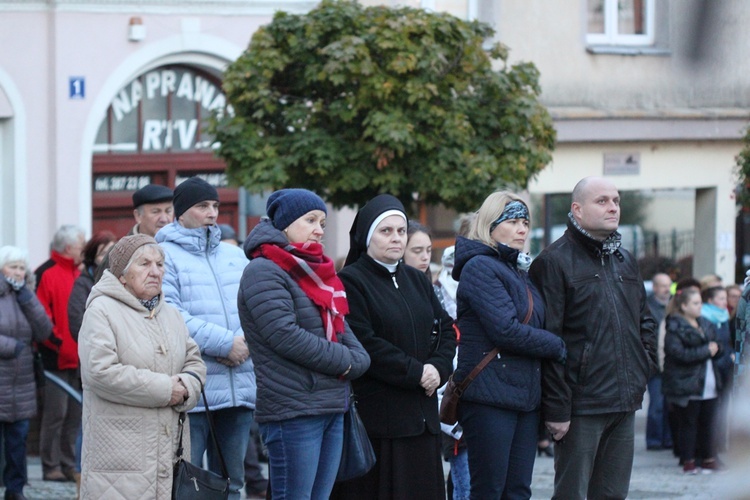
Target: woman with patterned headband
499 308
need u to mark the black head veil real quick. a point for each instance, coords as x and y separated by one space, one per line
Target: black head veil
364 219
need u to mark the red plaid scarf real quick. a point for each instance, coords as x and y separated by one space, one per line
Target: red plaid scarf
315 273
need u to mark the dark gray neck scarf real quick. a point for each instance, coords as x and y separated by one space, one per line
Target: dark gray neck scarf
150 303
609 245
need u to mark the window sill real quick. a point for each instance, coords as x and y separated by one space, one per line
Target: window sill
623 50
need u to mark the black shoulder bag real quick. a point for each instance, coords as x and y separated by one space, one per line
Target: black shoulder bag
191 482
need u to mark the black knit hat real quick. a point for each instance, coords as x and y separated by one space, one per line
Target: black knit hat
152 193
193 190
287 205
363 221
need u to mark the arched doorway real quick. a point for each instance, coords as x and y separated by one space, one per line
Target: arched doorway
154 132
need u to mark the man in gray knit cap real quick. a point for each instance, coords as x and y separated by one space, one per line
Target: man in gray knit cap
201 280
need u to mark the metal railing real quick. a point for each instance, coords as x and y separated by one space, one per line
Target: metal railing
70 390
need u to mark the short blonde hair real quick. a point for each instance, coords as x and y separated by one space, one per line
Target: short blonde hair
489 212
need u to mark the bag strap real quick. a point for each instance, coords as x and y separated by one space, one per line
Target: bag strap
494 352
223 464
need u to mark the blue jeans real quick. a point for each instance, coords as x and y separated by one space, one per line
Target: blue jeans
232 427
303 455
502 449
14 439
460 475
657 422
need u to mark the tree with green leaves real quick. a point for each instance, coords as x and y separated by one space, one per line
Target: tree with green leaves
350 102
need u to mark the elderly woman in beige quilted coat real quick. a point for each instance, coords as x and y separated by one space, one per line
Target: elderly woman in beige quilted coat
135 354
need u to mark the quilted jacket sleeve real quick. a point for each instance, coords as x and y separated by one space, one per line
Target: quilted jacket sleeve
273 313
491 299
193 364
213 339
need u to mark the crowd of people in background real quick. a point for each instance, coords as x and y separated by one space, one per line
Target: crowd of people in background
282 342
690 396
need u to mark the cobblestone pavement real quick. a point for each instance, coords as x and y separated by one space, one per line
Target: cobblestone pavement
655 476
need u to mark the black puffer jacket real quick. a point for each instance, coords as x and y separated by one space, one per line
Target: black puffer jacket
597 304
22 319
685 355
296 367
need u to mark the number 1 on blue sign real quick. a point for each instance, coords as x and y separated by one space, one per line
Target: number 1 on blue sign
77 87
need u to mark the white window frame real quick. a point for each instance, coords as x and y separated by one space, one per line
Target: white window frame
612 37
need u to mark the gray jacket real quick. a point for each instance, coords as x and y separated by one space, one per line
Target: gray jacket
22 319
298 370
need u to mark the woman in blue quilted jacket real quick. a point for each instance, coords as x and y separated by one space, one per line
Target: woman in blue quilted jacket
498 307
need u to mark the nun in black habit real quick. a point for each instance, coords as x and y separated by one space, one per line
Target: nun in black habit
398 319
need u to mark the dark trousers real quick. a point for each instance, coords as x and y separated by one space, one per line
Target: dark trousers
14 435
595 458
502 447
657 421
61 419
697 421
254 480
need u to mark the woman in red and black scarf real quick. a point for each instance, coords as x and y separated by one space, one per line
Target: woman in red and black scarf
292 307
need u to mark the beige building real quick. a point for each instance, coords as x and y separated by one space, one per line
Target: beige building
653 94
98 97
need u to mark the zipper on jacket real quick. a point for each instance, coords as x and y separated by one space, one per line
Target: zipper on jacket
395 283
619 345
226 314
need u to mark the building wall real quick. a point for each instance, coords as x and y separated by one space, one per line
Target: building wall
551 33
681 104
683 115
45 136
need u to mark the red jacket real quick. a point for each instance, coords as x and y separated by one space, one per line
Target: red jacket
55 280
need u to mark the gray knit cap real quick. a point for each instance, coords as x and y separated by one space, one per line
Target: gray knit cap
124 249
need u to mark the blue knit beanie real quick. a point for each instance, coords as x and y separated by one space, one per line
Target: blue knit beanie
287 205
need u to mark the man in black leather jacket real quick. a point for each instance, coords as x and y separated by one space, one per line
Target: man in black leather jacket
596 302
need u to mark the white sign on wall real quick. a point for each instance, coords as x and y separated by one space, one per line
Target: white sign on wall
163 110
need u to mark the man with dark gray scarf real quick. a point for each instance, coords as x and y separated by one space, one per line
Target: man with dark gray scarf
596 302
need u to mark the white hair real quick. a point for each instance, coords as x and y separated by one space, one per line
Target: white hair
68 234
10 254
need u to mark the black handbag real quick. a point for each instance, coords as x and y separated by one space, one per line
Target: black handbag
357 455
191 482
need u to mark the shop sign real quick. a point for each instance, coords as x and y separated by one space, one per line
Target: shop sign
106 183
161 111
